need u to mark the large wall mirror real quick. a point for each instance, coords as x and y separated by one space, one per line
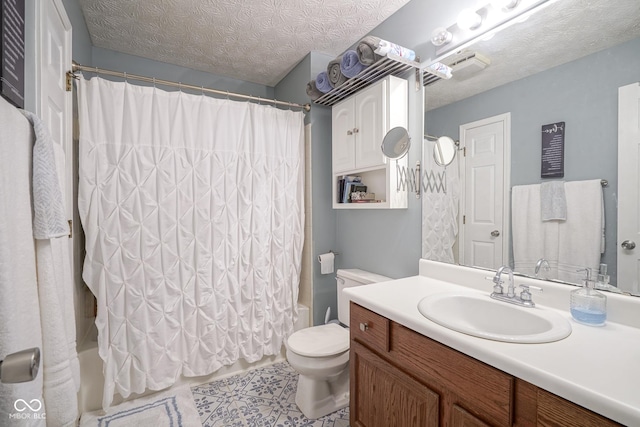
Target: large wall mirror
563 66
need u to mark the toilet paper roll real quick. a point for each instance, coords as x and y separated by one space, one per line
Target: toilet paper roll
326 262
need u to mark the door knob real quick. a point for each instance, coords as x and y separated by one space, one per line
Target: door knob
629 245
495 233
349 132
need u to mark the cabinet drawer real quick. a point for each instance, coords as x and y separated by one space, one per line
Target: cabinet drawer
554 410
485 392
369 328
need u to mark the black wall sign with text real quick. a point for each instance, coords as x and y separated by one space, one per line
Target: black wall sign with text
12 51
553 150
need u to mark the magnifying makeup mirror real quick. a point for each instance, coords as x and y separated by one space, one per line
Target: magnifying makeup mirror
396 143
444 150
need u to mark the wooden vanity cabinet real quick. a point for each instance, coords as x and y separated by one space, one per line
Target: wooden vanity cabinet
402 378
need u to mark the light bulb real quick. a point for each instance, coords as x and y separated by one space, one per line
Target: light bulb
504 4
469 19
441 36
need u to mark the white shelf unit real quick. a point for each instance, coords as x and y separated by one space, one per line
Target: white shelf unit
359 124
383 181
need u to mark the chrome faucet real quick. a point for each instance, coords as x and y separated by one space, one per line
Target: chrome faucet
497 288
524 299
542 263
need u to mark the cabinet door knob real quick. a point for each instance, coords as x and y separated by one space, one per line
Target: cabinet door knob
356 130
364 326
349 132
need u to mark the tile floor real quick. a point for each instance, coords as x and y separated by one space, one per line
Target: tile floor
263 397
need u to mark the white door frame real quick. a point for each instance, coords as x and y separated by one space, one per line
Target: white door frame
506 202
628 199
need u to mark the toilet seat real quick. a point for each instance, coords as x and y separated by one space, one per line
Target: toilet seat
319 341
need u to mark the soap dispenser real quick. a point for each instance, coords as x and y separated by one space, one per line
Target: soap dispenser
588 306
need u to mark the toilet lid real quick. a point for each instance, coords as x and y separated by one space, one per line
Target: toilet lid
320 341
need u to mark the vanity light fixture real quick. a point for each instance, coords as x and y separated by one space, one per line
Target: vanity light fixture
473 25
441 36
468 19
504 4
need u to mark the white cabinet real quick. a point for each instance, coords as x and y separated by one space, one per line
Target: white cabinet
359 124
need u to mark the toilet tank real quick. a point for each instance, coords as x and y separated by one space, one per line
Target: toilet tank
348 278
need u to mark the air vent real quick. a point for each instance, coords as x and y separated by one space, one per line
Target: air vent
469 65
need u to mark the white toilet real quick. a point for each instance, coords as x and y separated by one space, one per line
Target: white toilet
320 354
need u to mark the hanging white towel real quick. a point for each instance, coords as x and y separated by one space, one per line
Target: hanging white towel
19 307
580 236
553 201
532 238
49 217
60 366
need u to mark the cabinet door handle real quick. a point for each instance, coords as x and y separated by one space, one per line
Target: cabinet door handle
349 132
356 130
364 326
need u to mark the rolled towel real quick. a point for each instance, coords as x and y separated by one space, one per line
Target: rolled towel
322 82
385 47
336 78
366 50
350 66
313 91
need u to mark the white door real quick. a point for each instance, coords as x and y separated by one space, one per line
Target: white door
54 102
628 187
370 125
342 136
484 231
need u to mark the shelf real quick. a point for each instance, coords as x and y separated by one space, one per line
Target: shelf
389 65
381 180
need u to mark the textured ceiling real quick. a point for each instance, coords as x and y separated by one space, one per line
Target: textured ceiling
258 41
562 32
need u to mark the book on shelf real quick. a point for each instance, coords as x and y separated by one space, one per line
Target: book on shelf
345 187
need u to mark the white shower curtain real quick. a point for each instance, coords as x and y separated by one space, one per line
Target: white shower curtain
441 186
194 219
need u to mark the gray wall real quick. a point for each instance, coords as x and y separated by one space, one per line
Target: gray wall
81 43
292 88
388 242
582 93
112 60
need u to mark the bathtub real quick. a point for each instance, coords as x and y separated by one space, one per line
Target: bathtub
92 380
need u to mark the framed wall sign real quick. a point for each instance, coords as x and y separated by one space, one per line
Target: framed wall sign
553 150
12 51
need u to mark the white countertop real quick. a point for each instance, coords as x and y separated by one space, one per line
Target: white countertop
595 367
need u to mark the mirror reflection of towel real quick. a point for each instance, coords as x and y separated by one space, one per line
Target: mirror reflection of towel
553 202
567 245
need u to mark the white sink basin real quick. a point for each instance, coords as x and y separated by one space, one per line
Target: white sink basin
481 316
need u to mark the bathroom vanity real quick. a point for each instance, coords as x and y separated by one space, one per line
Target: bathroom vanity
409 371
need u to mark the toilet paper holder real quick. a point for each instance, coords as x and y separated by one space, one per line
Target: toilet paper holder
331 252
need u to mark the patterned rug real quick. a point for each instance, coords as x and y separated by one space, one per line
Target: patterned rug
173 408
263 397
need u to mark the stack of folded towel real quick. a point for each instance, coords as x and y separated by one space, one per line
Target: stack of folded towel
347 66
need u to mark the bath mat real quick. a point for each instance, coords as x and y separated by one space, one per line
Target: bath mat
173 408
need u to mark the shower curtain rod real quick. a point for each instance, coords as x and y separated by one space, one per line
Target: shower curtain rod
77 67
